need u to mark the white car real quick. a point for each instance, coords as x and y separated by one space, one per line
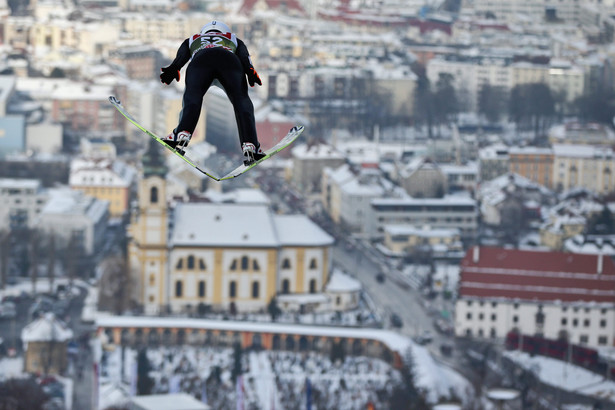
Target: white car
8 310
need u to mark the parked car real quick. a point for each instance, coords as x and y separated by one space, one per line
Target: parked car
396 320
8 310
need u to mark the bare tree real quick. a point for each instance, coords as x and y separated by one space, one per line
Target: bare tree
115 284
51 260
35 241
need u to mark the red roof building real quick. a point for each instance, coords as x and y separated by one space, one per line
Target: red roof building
536 276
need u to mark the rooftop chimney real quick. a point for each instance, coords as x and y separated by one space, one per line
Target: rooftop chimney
476 254
600 263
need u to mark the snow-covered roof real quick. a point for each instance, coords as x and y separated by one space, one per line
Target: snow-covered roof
234 225
340 282
393 340
424 232
103 172
299 230
303 298
176 401
582 151
243 225
47 328
316 151
66 201
239 196
13 183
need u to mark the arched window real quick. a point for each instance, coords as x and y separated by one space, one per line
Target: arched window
202 265
285 286
179 289
232 289
313 263
255 266
190 262
245 262
202 289
286 263
180 264
153 195
313 286
255 290
234 264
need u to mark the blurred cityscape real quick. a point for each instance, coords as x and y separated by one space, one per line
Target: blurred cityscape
440 237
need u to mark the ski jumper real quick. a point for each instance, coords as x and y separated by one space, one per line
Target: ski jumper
222 57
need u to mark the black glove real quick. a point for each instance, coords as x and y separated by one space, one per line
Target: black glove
169 74
253 77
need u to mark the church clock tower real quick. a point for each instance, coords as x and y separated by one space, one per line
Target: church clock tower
147 250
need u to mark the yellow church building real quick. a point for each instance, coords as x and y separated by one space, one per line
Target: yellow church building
221 255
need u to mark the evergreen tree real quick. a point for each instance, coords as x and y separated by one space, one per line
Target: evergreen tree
237 357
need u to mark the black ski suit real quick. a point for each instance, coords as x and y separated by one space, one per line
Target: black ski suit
222 57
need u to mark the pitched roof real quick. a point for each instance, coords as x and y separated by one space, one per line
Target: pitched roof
537 275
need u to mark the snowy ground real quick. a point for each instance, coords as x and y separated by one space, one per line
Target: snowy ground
270 379
565 375
42 285
276 379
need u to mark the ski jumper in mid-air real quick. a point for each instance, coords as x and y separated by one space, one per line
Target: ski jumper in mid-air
215 54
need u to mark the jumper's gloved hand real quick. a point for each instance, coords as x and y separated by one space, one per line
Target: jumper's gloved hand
168 74
253 77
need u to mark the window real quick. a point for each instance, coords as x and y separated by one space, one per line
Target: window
602 340
179 289
602 323
469 303
285 286
232 289
153 195
583 339
245 263
575 322
190 262
468 332
313 264
586 323
234 264
152 280
516 306
202 265
494 304
515 319
255 266
286 263
564 321
469 316
493 317
202 289
255 290
313 286
338 300
481 316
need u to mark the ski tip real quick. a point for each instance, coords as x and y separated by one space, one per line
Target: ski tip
114 100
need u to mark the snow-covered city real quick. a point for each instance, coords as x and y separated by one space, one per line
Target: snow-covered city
436 231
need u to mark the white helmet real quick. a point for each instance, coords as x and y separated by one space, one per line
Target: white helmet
215 25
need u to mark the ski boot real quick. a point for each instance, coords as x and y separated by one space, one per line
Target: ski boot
251 154
178 141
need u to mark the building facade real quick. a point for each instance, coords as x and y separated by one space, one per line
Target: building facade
234 257
584 166
535 164
551 294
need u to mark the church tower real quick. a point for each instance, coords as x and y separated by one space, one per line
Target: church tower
147 250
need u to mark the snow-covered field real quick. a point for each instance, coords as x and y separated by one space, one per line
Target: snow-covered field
565 375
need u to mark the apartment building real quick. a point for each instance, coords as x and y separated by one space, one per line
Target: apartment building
551 294
450 212
533 163
22 201
308 162
586 166
105 179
